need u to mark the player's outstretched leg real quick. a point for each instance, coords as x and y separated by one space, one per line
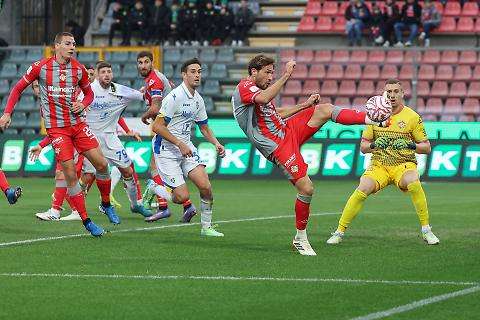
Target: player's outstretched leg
12 194
300 242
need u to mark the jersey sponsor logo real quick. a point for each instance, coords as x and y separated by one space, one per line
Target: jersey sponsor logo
268 110
292 158
401 124
57 140
187 114
66 90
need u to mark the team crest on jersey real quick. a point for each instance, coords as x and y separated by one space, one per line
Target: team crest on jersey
62 74
267 110
254 89
401 124
294 169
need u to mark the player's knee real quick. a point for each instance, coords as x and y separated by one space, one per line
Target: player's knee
101 166
307 189
412 187
180 197
127 172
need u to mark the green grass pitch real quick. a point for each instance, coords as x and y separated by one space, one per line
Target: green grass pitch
167 271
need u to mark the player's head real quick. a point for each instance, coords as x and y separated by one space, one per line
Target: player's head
393 91
64 45
104 73
36 88
91 72
260 70
192 73
144 63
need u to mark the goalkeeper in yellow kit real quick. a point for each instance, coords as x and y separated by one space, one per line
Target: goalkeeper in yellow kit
393 162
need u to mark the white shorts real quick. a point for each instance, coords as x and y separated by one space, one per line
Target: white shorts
113 150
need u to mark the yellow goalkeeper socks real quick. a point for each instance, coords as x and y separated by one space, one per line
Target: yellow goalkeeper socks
419 201
352 208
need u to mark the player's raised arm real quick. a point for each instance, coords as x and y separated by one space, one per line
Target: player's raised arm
286 112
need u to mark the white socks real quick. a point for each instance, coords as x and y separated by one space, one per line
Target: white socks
161 191
131 190
301 234
206 213
115 176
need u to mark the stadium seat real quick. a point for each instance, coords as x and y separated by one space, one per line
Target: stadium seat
474 90
225 55
19 120
394 56
426 72
419 105
453 106
317 71
172 55
307 24
438 5
168 70
218 71
189 54
300 71
429 117
353 71
347 88
465 24
423 88
406 72
23 67
313 8
371 72
29 131
444 72
4 87
412 56
448 25
448 117
339 24
329 88
304 55
208 55
431 57
477 26
358 56
329 8
342 102
120 56
11 131
17 55
343 7
9 70
471 106
287 55
449 57
34 54
138 83
27 103
211 87
335 71
130 71
326 100
33 120
293 88
434 106
468 57
470 9
366 88
88 57
323 56
376 56
287 101
476 73
389 72
439 89
458 89
310 87
341 56
462 73
116 69
452 8
209 105
359 103
466 118
324 24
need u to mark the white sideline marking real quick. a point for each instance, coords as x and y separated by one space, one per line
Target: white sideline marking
418 304
235 278
78 235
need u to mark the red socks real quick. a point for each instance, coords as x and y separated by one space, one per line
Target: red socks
58 197
348 116
302 211
78 201
3 182
104 186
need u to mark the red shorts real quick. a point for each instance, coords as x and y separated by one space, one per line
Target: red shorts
68 139
287 156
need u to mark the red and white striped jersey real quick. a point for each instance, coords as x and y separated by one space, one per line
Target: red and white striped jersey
58 89
157 85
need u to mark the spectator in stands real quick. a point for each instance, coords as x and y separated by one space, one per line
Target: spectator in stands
357 16
159 29
174 36
120 22
244 20
376 23
137 22
78 32
188 23
409 18
431 19
208 23
225 24
391 16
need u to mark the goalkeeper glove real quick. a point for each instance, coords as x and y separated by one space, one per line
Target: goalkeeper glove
399 144
380 143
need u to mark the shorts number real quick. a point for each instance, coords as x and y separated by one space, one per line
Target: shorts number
196 156
88 132
121 154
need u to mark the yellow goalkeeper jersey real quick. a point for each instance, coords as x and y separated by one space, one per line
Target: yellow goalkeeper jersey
408 125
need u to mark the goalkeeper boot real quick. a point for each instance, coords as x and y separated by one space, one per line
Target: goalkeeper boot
303 247
148 195
94 230
429 237
109 211
115 203
161 214
210 232
138 208
336 238
188 214
49 215
13 194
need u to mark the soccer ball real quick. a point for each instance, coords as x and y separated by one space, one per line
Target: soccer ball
378 108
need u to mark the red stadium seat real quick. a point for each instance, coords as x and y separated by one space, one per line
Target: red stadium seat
330 8
339 24
313 8
406 72
407 88
317 71
300 71
431 56
343 7
470 9
466 118
376 56
465 24
342 102
359 103
476 73
423 88
448 118
335 71
307 24
329 88
358 56
341 56
353 71
430 117
347 88
366 88
434 106
293 88
426 72
419 105
474 90
287 101
439 6
395 56
452 8
449 57
371 71
389 72
439 89
412 56
448 24
471 106
468 57
462 73
325 100
324 24
304 55
453 105
310 87
458 89
323 56
287 55
445 72
477 25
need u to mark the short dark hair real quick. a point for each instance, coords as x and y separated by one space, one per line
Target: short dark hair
258 62
103 64
393 81
60 35
142 54
89 66
190 62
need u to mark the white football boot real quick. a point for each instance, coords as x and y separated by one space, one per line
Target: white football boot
429 237
49 215
303 247
336 238
72 216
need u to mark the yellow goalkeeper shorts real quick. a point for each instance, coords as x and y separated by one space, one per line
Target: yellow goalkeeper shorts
385 175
